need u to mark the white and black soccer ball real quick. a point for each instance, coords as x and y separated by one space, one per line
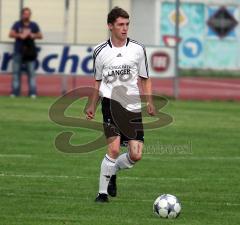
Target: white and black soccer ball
167 206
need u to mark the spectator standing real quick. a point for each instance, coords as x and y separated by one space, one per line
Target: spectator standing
24 32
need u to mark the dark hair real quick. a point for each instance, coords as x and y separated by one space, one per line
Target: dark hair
115 13
25 9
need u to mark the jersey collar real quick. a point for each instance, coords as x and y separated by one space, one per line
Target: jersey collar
111 45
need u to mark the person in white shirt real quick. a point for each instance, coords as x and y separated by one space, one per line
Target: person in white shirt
118 65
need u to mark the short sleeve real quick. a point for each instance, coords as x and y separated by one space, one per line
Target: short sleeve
97 67
36 28
143 64
15 26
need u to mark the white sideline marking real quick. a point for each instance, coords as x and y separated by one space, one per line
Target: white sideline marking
121 178
41 176
191 203
191 158
132 201
15 156
147 156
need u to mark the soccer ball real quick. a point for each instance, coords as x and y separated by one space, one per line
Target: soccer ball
167 206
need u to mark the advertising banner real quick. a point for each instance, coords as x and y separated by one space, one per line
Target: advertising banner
77 60
209 34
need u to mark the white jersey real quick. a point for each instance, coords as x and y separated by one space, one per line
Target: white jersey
118 69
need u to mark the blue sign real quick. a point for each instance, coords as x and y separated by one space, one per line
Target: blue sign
226 17
54 59
201 47
192 48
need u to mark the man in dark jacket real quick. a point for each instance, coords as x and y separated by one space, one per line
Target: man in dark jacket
24 32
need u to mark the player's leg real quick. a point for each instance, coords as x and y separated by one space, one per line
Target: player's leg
125 161
135 149
128 159
31 78
134 134
16 79
108 167
113 146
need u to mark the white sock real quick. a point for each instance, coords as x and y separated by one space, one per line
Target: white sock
123 162
107 170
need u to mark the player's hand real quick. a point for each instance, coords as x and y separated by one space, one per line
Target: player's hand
22 36
32 35
151 109
90 112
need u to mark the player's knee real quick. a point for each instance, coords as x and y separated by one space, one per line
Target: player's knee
136 156
113 152
136 152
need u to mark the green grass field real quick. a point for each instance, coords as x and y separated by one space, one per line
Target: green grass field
196 158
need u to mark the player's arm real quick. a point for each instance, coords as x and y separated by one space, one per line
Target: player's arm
36 34
146 81
147 90
14 34
90 112
97 67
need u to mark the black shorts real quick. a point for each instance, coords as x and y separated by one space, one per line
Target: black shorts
117 121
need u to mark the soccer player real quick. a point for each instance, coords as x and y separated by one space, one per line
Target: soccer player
118 65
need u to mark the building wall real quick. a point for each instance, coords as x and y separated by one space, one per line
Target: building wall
9 11
200 46
149 22
86 19
145 21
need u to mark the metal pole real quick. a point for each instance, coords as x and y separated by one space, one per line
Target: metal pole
74 79
21 7
176 78
110 6
76 22
66 12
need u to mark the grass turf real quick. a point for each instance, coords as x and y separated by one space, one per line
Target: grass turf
196 158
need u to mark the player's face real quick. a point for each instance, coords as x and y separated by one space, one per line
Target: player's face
26 15
119 28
